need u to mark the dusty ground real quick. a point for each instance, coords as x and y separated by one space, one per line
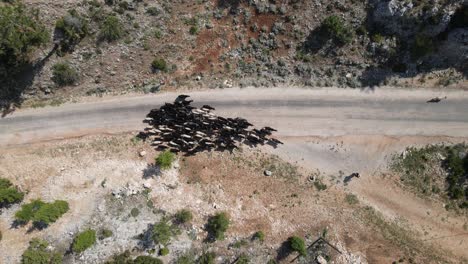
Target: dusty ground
282 205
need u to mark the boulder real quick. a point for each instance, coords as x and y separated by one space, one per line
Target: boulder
267 173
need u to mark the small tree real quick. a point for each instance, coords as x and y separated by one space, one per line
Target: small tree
111 29
37 253
84 240
207 258
159 64
165 159
259 235
335 28
27 211
162 232
297 244
9 194
73 28
183 216
146 260
64 74
21 33
217 225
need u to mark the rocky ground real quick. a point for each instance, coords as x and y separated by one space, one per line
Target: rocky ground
105 177
225 43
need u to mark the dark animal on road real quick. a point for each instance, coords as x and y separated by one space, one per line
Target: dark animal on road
436 100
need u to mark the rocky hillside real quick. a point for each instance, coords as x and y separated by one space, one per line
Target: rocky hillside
109 46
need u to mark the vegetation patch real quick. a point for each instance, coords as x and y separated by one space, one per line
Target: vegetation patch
217 225
73 28
165 160
9 194
125 258
336 29
207 258
22 32
436 170
297 244
259 235
84 240
41 213
351 199
64 74
111 29
183 216
159 64
37 252
163 231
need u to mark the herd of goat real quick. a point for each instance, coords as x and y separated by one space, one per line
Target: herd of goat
180 127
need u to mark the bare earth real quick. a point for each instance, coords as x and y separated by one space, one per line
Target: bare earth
329 133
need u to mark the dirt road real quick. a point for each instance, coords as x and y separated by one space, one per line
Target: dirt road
295 112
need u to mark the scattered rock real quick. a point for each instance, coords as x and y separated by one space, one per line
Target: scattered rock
267 173
321 260
142 153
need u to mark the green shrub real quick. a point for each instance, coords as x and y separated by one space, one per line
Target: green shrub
37 253
243 259
207 258
135 212
84 240
351 199
162 232
422 46
152 11
111 29
186 259
335 28
297 244
193 30
320 185
217 225
50 212
165 160
159 64
21 33
1 235
146 260
105 233
164 251
73 28
259 235
64 74
27 211
183 216
9 194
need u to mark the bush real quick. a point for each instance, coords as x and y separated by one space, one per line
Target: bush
297 244
9 194
162 232
259 235
63 74
42 214
243 259
22 32
135 212
217 225
164 251
37 253
351 199
73 29
193 30
186 259
111 29
335 28
105 233
146 260
422 46
183 216
159 64
84 240
165 160
207 258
